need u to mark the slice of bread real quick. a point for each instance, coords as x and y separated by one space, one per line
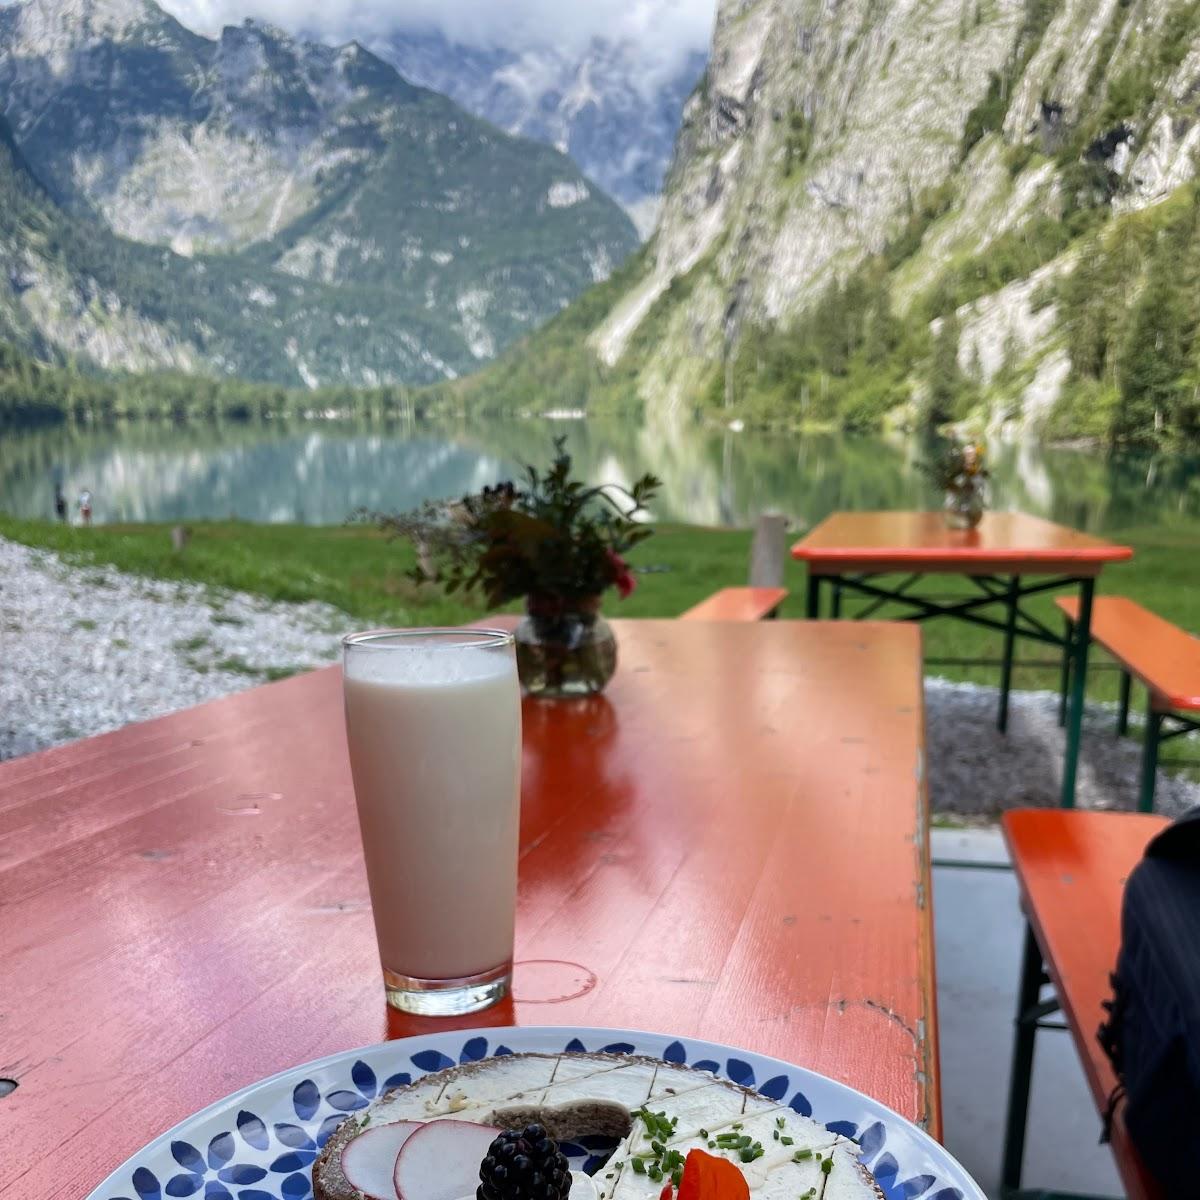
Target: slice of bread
577 1095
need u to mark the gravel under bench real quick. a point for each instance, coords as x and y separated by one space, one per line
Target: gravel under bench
88 649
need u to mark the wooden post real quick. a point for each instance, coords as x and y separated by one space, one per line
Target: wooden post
768 554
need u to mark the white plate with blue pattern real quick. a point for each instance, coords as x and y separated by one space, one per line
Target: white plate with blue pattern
260 1142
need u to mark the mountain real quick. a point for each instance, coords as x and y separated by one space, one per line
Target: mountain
73 291
973 210
599 106
371 230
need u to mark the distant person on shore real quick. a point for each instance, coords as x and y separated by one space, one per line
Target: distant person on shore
85 507
60 503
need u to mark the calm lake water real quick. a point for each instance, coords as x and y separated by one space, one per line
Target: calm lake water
318 472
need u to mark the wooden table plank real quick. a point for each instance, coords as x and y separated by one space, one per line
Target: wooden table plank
1004 543
731 843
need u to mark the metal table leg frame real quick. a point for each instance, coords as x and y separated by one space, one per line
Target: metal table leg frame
1032 1011
1064 683
813 604
1123 710
1154 721
1011 602
1157 732
1079 658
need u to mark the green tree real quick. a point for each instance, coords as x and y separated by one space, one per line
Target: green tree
1155 358
946 381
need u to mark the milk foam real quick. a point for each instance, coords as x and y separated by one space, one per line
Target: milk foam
429 665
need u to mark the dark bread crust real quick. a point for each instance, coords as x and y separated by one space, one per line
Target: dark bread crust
870 1179
329 1182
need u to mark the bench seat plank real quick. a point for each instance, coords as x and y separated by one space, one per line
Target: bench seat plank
1162 656
738 604
1071 868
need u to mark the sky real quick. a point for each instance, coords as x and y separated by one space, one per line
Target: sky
668 29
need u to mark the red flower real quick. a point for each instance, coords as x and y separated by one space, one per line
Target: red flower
622 576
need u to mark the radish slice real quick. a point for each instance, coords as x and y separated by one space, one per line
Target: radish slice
441 1161
369 1158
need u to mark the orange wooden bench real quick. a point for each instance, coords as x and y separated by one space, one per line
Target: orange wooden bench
738 604
1071 868
1163 657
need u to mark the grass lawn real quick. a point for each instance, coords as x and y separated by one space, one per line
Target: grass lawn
357 570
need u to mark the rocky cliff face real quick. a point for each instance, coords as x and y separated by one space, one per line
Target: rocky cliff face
966 152
290 161
594 105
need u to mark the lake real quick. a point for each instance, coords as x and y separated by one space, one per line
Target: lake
317 472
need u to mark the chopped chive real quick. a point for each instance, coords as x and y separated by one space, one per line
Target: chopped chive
778 1122
827 1165
639 1167
737 1124
704 1133
712 1145
787 1141
801 1155
775 1134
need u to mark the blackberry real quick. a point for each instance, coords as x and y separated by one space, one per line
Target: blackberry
524 1166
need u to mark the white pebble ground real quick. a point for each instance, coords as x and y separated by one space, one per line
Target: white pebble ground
975 769
88 649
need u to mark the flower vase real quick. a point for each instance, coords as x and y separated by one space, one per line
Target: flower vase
963 508
564 647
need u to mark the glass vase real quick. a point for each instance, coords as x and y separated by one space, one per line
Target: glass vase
963 508
564 647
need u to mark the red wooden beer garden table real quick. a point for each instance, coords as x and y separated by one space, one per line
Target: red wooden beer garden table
730 843
883 558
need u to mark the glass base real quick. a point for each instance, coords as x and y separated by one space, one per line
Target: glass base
447 997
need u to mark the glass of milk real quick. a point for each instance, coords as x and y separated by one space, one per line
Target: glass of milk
433 719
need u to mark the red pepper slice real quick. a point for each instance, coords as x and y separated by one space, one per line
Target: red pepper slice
709 1177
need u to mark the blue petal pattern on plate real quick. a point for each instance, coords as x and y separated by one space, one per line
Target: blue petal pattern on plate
268 1154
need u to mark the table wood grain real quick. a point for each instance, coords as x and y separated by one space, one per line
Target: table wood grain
731 844
1005 543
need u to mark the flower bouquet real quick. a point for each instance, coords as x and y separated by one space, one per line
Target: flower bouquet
547 539
962 476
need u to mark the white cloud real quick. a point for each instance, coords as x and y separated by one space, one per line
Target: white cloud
663 30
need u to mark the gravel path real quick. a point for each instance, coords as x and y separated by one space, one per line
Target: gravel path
86 649
975 769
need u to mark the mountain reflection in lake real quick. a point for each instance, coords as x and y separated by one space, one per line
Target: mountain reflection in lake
319 472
